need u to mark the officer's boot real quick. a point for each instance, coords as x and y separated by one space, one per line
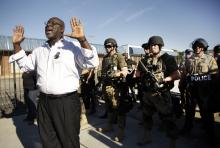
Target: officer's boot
120 135
121 124
172 143
146 139
109 126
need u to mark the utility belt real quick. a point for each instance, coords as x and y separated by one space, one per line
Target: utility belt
57 96
114 80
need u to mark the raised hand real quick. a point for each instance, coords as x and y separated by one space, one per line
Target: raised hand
18 34
77 29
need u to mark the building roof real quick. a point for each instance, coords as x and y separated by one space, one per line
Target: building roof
30 43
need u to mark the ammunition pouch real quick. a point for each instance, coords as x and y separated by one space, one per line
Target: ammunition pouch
158 87
152 84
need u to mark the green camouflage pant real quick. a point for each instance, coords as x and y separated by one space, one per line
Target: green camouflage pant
111 96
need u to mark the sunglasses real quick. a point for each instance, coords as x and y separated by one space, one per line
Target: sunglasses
52 24
108 46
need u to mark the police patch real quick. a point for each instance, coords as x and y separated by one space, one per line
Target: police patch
200 78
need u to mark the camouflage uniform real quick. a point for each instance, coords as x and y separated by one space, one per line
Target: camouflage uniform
200 90
114 90
158 99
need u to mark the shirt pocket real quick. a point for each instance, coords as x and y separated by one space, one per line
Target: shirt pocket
203 68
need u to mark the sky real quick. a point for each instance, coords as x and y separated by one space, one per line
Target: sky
178 22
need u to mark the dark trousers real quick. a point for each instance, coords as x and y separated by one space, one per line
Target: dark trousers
31 108
88 96
59 121
162 104
200 95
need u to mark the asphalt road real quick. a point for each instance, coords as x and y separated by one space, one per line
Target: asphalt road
15 133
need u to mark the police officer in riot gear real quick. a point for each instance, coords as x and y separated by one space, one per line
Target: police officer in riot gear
158 73
216 95
140 92
146 49
184 94
114 71
216 51
199 70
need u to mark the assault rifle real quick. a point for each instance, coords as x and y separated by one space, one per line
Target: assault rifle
109 77
153 80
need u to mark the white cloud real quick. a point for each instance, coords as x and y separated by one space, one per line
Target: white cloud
138 14
112 19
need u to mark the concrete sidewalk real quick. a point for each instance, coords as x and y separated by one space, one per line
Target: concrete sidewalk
14 133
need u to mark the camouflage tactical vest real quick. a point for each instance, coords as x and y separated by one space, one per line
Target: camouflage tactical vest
112 64
160 68
156 67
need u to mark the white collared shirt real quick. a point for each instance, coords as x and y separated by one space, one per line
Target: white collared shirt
57 74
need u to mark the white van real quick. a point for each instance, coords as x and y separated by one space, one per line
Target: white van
138 50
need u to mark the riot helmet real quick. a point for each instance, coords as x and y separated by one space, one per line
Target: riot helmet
200 42
156 40
188 51
145 46
110 41
217 49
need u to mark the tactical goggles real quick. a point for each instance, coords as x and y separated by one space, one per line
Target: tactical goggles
108 46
